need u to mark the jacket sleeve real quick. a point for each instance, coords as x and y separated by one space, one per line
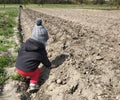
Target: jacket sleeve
44 59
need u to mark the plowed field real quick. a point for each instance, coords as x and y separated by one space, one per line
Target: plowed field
85 44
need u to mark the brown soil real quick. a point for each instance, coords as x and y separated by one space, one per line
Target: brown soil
85 44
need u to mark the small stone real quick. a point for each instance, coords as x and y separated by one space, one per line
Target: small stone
117 71
86 72
99 58
99 98
98 85
59 81
50 55
118 97
18 95
64 82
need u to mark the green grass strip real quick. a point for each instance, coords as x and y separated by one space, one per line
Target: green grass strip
7 23
4 61
75 6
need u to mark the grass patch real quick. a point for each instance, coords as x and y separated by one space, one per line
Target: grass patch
9 6
2 76
3 47
5 44
6 32
74 6
4 61
7 23
16 77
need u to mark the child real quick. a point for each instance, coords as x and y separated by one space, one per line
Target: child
32 53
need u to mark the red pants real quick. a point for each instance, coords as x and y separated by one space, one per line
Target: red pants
34 76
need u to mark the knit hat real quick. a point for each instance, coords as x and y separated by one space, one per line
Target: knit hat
38 21
39 33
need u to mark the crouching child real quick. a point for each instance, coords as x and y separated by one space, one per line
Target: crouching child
32 53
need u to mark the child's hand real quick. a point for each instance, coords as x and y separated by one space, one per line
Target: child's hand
53 66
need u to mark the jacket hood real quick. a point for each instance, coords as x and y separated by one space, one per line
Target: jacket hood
33 45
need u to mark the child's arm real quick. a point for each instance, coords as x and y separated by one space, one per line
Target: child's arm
44 59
